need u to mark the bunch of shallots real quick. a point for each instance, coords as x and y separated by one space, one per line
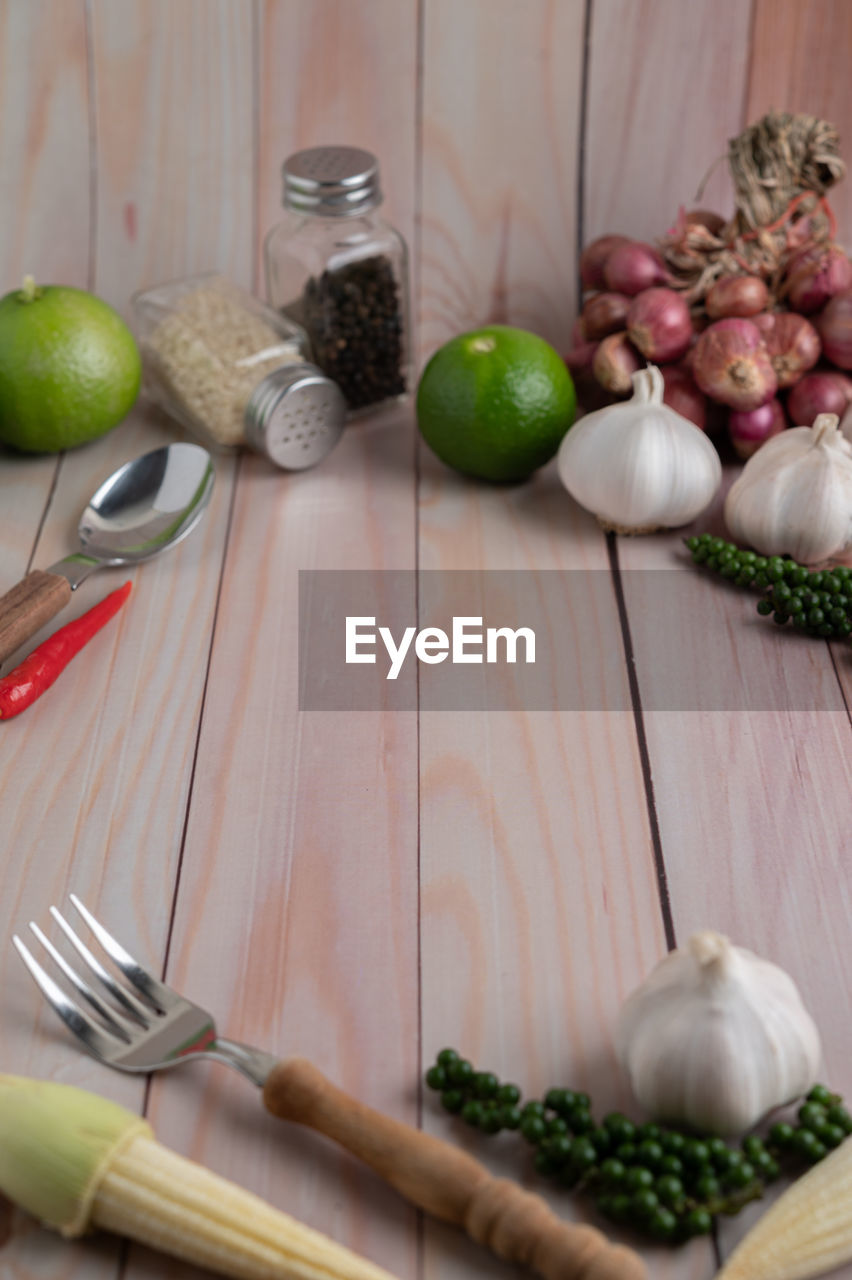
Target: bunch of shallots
750 319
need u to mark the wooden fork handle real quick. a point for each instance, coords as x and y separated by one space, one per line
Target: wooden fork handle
448 1183
29 605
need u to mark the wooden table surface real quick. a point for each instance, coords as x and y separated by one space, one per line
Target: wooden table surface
365 887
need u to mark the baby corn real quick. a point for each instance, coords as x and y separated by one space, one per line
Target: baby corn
79 1162
808 1230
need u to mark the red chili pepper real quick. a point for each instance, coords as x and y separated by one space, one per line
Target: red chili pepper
20 688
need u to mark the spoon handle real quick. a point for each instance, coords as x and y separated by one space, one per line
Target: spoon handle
34 601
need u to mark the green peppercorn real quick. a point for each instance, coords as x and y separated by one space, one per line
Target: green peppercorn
532 1128
622 1129
739 1175
491 1122
764 608
626 1152
559 1100
695 1153
533 1108
643 1203
781 1134
650 1153
508 1094
811 1114
510 1117
436 1078
670 1164
662 1224
446 1057
612 1171
669 1190
460 1073
583 1155
838 1114
707 1187
452 1100
697 1222
485 1084
472 1112
637 1178
830 1135
556 1126
672 1141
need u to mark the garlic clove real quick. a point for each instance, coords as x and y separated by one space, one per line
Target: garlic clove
716 1037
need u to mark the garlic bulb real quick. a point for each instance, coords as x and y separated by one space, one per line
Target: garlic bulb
794 496
639 466
716 1037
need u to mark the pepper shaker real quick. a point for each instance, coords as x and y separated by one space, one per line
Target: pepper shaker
341 272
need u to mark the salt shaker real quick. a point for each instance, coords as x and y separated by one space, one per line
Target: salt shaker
338 269
234 372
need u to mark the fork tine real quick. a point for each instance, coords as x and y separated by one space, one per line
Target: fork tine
127 1001
144 981
97 1041
115 1022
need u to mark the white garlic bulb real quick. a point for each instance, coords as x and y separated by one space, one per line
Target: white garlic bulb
639 466
716 1037
794 496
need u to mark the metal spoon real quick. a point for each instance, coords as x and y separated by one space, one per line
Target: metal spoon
149 504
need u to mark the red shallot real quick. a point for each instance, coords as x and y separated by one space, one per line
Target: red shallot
659 324
615 363
681 394
632 267
603 314
792 342
731 365
835 329
736 296
748 431
814 276
823 391
580 357
594 256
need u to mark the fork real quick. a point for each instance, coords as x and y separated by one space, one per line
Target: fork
146 1026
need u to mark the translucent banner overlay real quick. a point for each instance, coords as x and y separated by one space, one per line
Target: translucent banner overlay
444 641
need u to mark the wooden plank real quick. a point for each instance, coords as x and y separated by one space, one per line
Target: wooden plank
44 143
338 72
297 913
666 85
175 121
97 776
792 52
500 167
539 893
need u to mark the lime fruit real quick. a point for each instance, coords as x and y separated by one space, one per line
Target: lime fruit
495 403
69 368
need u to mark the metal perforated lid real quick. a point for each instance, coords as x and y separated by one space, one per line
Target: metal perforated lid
295 416
333 181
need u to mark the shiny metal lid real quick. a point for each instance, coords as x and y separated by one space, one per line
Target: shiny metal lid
333 181
295 416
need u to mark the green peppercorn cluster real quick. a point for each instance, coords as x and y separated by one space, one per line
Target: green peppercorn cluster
818 603
666 1184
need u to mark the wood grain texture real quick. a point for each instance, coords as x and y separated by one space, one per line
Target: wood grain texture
297 913
339 72
792 52
45 197
501 106
666 91
175 185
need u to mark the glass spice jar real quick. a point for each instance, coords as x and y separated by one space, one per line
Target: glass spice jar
338 269
234 372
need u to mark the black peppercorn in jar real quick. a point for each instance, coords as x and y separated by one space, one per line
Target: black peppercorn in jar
342 272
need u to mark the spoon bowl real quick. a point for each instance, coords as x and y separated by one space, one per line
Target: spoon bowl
147 505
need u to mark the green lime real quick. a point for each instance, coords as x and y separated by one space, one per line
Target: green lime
69 368
495 403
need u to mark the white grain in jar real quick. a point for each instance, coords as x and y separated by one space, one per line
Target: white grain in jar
206 345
